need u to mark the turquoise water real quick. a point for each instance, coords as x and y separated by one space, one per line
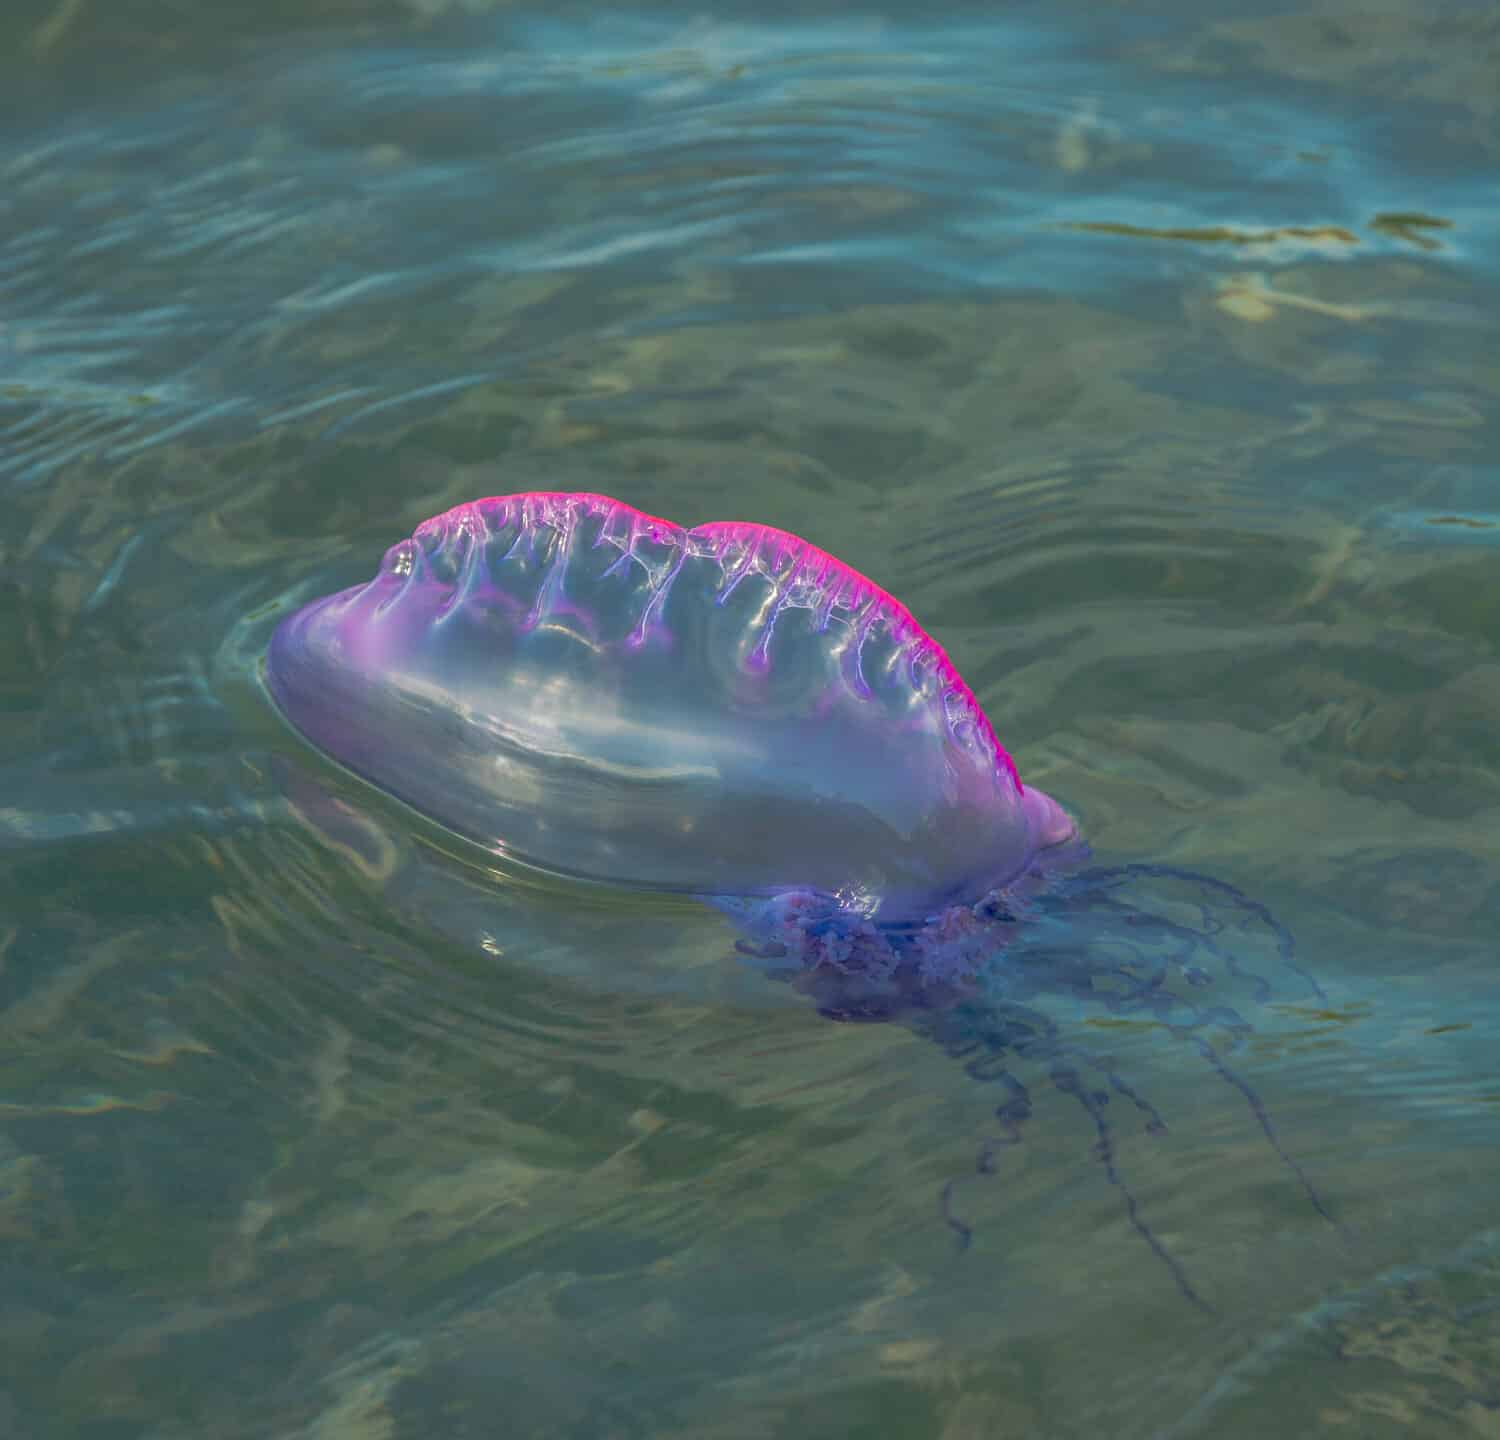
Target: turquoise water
1148 357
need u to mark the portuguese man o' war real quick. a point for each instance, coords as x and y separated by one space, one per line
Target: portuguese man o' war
732 713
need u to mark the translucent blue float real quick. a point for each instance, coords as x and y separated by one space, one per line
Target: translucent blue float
726 710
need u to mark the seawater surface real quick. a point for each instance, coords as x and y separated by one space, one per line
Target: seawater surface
1147 355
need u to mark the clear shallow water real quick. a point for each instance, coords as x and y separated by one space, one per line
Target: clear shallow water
1149 360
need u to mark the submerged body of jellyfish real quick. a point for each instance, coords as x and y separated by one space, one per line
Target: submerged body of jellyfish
732 713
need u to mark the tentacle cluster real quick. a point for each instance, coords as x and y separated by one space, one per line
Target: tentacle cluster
1136 941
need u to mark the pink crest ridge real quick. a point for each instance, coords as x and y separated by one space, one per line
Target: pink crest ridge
771 552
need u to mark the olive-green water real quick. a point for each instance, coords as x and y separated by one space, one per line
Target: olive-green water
1148 354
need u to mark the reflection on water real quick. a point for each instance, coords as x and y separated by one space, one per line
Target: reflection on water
1149 359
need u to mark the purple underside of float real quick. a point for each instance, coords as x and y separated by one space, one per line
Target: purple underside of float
725 710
